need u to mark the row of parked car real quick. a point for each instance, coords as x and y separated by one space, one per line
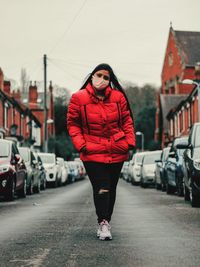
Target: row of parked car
24 171
175 169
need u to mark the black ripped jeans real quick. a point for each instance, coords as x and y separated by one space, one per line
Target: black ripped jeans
103 176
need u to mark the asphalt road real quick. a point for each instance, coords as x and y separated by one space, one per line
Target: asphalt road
58 228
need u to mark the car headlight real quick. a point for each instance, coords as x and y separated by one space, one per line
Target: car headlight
4 183
4 168
197 164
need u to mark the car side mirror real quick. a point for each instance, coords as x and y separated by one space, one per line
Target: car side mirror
34 162
158 160
18 158
184 146
172 154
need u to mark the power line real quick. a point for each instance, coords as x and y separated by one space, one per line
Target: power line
69 27
66 72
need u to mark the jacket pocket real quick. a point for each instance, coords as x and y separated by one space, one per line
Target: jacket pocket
119 144
95 148
94 145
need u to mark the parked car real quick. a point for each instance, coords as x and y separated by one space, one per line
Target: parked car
42 171
33 173
191 166
160 169
124 171
71 175
81 168
50 165
174 168
135 167
13 173
63 170
148 167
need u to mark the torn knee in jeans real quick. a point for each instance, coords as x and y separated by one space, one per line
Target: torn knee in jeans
102 191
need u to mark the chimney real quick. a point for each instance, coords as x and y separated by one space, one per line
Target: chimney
1 79
50 87
17 95
33 94
6 87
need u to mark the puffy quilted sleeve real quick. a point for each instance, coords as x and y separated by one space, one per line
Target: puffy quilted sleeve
74 123
127 122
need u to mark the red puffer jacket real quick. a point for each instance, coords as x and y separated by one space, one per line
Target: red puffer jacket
104 127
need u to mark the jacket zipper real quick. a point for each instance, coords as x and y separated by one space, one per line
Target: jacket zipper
119 120
86 119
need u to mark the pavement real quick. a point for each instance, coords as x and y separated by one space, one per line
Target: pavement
58 228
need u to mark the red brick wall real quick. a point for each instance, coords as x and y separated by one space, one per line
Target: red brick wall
170 72
1 113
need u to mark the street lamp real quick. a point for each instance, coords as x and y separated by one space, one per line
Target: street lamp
142 139
49 121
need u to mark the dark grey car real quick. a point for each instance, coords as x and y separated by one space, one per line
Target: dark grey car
33 172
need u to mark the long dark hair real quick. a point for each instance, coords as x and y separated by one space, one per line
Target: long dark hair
114 83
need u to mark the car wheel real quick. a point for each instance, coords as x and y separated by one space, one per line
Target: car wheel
55 184
133 182
186 193
22 192
169 189
30 188
143 185
195 200
37 189
11 192
180 191
44 185
163 187
158 186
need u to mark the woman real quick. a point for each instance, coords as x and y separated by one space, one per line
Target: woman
100 124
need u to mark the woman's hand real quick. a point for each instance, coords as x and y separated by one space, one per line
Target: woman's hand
83 149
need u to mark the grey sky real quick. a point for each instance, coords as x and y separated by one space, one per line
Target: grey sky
76 35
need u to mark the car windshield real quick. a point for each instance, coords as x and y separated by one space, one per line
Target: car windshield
180 152
139 158
24 153
179 141
4 150
150 159
60 161
165 154
47 158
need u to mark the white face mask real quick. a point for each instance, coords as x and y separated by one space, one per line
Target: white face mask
99 83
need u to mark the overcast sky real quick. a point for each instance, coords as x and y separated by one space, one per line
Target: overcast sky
76 35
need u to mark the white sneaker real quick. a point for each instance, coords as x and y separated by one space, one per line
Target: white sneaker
99 231
105 233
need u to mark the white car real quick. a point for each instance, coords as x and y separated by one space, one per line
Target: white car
148 167
135 167
49 162
63 170
124 171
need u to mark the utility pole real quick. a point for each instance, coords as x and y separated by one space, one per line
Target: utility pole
45 105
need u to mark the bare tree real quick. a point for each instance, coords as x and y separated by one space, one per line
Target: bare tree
24 79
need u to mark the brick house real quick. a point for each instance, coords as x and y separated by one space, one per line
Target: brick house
16 120
183 116
34 100
182 53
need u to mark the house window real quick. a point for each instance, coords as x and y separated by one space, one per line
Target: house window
171 127
170 59
13 115
5 115
27 124
189 116
21 126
